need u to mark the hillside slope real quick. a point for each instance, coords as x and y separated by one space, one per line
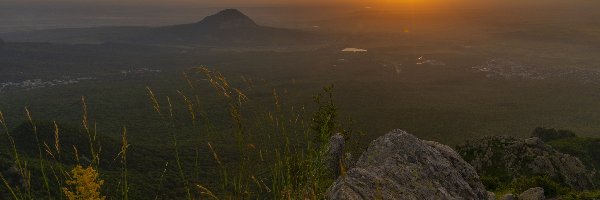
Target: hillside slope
229 27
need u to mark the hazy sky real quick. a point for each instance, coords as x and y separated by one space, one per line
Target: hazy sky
183 2
41 14
257 3
260 2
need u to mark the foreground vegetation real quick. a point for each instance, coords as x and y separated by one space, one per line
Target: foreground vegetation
240 149
274 152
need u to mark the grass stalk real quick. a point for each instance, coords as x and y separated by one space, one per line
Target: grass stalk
124 172
176 148
41 158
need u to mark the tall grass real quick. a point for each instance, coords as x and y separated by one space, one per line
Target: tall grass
53 173
259 151
39 147
15 154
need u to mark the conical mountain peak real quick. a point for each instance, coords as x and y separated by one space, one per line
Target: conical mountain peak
228 19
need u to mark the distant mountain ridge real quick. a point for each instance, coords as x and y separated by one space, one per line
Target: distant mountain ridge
229 27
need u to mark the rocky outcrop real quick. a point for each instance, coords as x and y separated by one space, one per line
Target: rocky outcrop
500 156
533 194
401 166
336 154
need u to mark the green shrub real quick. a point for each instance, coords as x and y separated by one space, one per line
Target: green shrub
491 183
587 195
549 134
551 187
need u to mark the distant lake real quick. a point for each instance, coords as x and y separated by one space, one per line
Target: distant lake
354 50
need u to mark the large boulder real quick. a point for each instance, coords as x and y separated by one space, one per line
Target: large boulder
511 158
401 166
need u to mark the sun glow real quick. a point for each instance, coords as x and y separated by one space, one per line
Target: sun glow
392 4
405 2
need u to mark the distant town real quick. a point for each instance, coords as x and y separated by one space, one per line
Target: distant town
39 83
66 80
139 71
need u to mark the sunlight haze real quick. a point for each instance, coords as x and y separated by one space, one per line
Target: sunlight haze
300 99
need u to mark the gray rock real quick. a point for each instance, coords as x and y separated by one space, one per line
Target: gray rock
525 158
508 197
336 154
348 160
533 194
491 196
401 166
534 141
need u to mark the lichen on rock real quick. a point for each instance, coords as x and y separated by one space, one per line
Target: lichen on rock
401 166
